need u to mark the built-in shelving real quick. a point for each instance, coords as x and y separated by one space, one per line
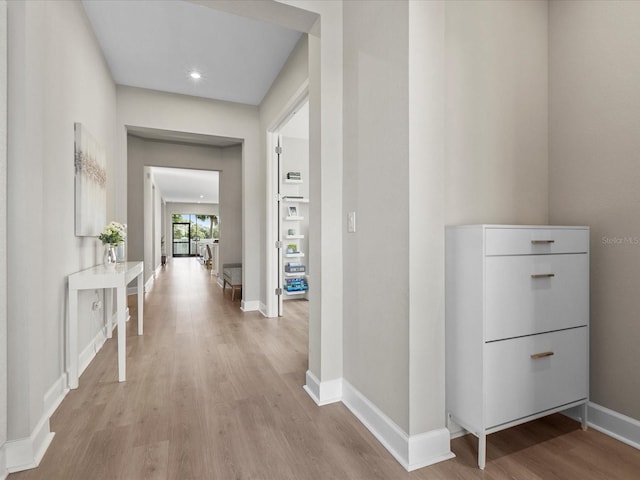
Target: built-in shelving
294 199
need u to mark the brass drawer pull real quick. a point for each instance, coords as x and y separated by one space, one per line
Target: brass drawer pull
536 356
537 242
543 275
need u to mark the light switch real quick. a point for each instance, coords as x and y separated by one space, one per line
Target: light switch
351 222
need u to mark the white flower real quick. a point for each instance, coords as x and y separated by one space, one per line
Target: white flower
114 233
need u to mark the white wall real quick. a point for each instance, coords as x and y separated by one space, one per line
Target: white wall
151 202
3 235
426 218
152 109
197 208
595 176
325 208
445 122
157 228
376 181
496 112
144 153
57 76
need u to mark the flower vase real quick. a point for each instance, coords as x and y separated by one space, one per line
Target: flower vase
110 257
121 252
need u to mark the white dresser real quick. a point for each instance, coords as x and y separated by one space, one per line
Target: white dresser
517 325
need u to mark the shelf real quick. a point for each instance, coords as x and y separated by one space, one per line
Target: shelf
293 219
288 199
295 274
294 255
288 180
295 292
294 237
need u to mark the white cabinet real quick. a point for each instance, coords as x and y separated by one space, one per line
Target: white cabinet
517 325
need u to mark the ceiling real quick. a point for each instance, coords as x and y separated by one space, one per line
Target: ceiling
182 185
156 44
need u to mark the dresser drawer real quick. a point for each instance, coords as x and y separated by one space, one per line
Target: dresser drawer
534 294
518 385
535 241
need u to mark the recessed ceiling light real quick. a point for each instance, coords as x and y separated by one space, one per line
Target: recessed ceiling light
195 75
201 196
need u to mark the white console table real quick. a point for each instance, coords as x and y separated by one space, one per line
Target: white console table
117 277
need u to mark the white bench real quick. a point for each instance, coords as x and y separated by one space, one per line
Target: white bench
232 275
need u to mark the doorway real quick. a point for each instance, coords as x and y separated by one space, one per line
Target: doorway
183 217
181 240
292 207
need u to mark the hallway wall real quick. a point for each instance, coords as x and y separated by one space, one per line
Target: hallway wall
595 176
376 176
497 112
479 157
57 76
3 235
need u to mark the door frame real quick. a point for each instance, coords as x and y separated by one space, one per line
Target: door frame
173 253
272 257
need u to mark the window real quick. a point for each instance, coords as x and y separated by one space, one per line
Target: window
190 229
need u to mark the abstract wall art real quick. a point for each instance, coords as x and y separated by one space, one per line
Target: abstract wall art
90 184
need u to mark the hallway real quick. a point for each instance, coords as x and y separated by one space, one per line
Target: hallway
215 393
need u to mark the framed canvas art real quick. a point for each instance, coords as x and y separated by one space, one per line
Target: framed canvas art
90 184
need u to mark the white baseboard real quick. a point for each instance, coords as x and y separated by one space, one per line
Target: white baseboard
54 396
89 352
611 423
323 393
263 310
148 284
27 453
3 464
412 452
250 305
455 430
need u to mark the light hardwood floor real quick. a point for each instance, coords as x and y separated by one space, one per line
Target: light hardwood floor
214 393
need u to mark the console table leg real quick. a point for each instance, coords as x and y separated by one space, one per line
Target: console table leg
108 300
140 303
73 339
121 301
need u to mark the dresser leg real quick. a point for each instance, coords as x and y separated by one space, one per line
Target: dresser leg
585 406
482 451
